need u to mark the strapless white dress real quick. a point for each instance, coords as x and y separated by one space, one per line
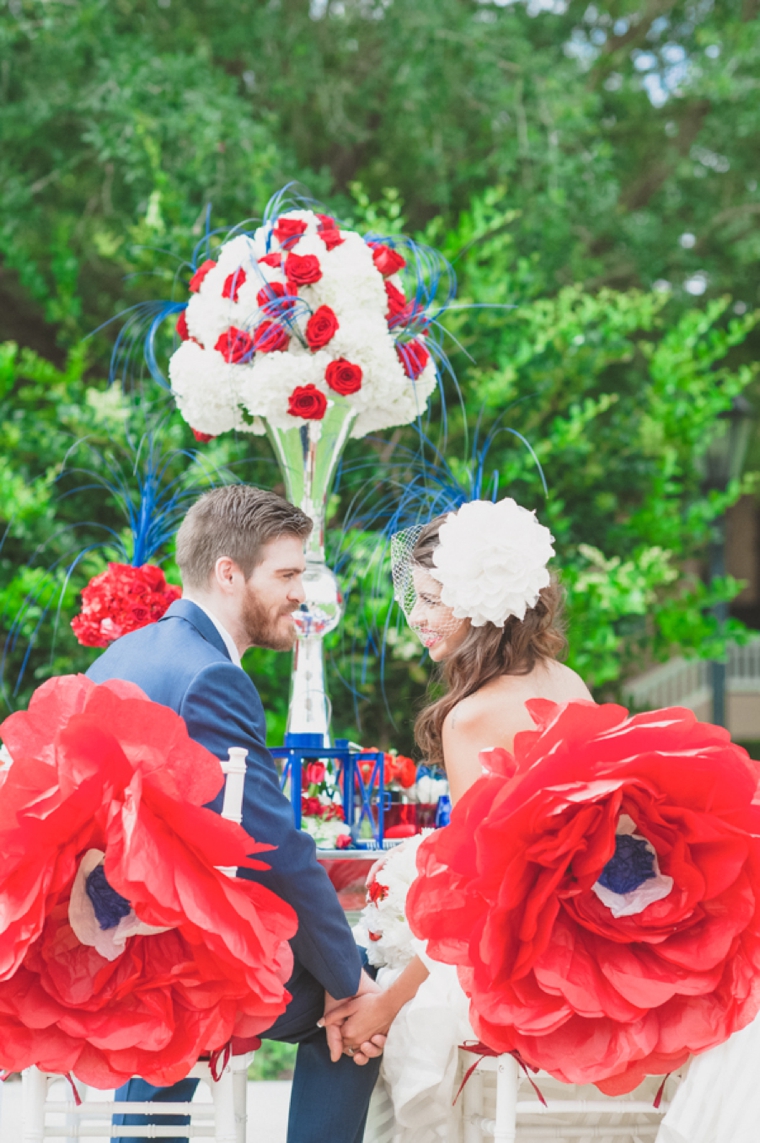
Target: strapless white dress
715 1099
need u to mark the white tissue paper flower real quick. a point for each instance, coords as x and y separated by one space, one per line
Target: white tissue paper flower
491 561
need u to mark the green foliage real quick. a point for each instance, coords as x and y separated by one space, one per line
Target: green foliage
273 1061
591 166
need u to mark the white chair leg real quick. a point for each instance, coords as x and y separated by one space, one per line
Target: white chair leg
223 1094
505 1127
240 1100
72 1119
472 1110
34 1087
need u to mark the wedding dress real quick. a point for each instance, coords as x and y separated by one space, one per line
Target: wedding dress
715 1099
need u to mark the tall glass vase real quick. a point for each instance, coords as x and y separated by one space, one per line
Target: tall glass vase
308 456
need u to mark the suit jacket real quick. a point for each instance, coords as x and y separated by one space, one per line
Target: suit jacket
182 662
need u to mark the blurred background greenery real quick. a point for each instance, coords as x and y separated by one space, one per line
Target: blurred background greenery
594 166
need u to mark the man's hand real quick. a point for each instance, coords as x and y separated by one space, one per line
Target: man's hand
363 1022
332 1021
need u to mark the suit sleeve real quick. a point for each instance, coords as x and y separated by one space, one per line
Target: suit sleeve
222 708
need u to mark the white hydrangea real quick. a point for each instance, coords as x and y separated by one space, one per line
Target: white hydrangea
491 561
211 391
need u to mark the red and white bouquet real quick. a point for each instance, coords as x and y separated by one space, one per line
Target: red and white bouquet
294 318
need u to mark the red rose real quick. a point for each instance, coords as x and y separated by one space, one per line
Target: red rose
235 345
407 772
288 231
302 269
396 300
202 438
233 283
315 773
274 259
311 808
343 377
600 893
343 841
181 326
200 274
387 260
308 402
269 336
376 892
328 231
275 299
413 356
321 327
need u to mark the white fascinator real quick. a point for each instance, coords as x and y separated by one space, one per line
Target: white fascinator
491 562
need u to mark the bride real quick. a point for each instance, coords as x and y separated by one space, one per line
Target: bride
476 589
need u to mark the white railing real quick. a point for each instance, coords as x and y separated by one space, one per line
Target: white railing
686 682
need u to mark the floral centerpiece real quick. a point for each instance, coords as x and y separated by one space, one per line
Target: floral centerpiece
297 317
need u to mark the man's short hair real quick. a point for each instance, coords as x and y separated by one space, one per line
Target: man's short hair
236 521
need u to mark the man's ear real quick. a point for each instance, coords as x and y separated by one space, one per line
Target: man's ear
227 574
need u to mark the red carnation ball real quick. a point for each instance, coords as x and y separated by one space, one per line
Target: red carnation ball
413 356
599 892
302 269
200 274
288 231
387 260
308 402
321 327
235 345
269 336
343 377
233 283
274 298
120 600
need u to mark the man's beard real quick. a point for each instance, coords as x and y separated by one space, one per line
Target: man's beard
262 626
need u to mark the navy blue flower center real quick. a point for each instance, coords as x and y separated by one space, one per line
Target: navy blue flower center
109 905
631 865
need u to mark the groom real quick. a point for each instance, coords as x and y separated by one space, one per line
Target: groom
240 554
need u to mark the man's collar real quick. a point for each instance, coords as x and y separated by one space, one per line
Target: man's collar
206 624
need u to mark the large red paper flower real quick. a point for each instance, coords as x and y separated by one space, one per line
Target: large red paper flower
122 599
600 893
101 768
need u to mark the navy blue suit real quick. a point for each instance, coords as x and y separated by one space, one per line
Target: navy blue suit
182 662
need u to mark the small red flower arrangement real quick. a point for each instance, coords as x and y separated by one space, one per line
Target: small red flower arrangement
599 892
121 600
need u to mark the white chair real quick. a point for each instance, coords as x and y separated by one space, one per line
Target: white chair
499 1104
222 1120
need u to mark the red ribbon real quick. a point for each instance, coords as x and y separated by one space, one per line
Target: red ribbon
77 1096
218 1061
660 1090
482 1051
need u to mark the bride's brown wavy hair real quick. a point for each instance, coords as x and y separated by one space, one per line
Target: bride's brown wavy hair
487 652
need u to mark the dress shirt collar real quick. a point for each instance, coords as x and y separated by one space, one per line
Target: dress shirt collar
229 642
